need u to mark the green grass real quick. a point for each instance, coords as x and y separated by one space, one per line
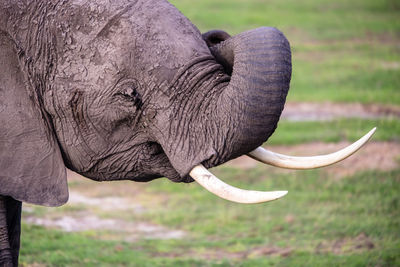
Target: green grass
323 212
346 73
319 19
343 51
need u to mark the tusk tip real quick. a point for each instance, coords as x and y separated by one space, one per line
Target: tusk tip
370 133
280 194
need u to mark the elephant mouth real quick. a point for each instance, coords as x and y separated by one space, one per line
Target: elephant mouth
210 182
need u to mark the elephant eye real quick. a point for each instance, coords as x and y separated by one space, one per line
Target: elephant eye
128 92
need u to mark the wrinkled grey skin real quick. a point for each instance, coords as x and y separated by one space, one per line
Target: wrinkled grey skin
127 90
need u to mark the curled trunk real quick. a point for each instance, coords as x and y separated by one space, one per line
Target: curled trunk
260 62
238 112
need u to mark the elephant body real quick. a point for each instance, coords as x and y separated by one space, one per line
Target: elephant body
127 89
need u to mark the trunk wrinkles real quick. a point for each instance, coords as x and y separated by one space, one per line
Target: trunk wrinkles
255 97
215 117
193 124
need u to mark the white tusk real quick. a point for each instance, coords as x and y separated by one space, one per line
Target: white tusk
301 163
228 192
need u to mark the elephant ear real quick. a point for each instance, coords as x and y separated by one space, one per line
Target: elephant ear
215 37
31 165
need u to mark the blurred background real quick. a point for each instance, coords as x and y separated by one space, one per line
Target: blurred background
346 80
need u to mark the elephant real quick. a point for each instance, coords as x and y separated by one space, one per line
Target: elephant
131 90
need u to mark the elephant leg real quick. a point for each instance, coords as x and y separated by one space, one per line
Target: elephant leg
14 209
10 231
5 249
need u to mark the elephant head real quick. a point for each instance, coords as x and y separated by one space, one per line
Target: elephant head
130 89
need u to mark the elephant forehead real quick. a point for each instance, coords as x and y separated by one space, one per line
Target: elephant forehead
127 36
152 34
160 27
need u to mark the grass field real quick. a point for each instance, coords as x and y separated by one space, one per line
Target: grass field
343 51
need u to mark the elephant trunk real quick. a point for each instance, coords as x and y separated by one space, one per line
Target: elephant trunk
260 65
238 112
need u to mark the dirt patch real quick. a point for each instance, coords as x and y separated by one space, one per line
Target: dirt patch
382 156
33 265
347 245
105 203
269 251
390 65
83 221
305 111
134 194
218 254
